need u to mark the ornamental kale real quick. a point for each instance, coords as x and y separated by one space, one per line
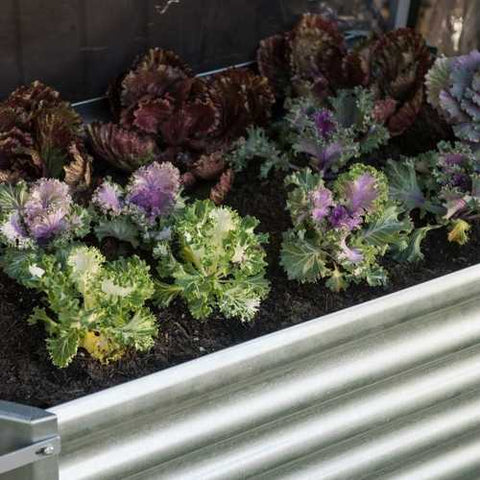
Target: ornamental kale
142 209
453 86
193 120
316 133
92 304
358 110
444 183
40 216
256 144
41 136
123 149
328 137
340 233
215 260
310 59
399 61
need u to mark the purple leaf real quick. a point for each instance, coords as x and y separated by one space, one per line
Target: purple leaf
361 193
154 189
322 201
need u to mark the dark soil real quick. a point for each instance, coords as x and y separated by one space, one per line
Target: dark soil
27 375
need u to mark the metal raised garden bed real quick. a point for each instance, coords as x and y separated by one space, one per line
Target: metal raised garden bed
388 389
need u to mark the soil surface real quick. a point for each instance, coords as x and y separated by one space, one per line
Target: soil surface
27 375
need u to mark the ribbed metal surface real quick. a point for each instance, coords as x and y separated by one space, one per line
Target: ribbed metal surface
389 389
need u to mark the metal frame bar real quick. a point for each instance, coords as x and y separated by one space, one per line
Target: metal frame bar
402 13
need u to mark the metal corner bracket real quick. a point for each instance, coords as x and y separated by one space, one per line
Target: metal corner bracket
29 443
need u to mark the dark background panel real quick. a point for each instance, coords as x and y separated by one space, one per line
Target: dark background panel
51 34
77 46
10 67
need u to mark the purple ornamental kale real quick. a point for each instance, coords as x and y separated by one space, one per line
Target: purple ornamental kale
340 217
46 210
108 197
454 89
321 201
324 123
361 193
153 189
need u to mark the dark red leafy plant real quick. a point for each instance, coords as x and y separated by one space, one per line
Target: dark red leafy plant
399 61
191 120
311 58
121 148
41 136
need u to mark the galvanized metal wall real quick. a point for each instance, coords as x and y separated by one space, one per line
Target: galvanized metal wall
386 390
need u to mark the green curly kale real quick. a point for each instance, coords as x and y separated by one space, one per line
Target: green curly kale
92 304
218 262
340 233
256 144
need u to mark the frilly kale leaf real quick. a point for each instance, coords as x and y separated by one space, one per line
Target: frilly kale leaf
92 304
217 261
256 144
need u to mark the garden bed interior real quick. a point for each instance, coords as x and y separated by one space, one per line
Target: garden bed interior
28 376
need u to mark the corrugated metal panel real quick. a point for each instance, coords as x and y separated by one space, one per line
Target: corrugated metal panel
388 389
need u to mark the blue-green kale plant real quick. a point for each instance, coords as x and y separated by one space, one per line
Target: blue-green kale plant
140 212
443 184
90 303
341 232
215 260
453 88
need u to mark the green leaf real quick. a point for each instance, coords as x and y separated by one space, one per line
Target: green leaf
63 347
165 293
242 297
120 228
15 263
258 146
12 197
387 229
376 277
302 259
404 186
412 253
140 330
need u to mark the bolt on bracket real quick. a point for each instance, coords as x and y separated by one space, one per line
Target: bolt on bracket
29 443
